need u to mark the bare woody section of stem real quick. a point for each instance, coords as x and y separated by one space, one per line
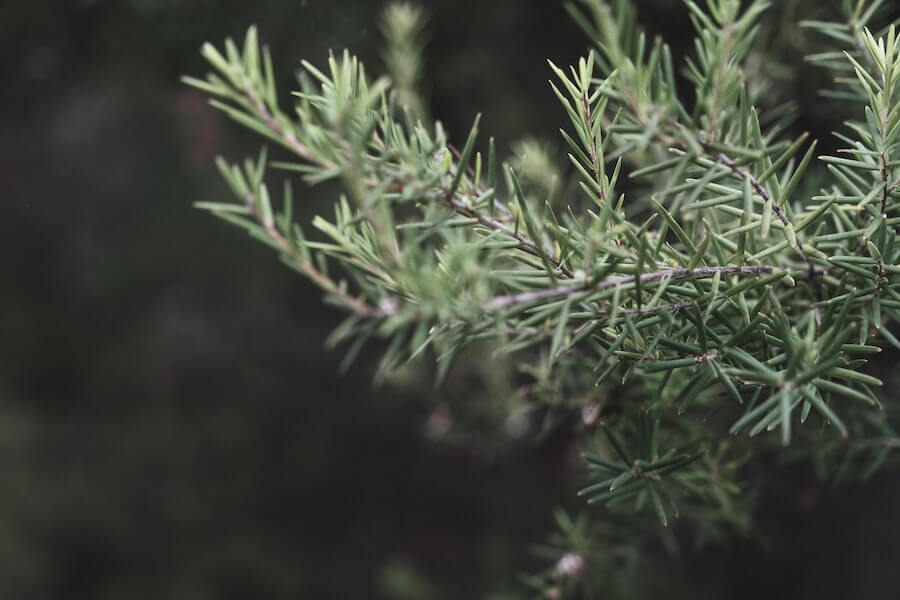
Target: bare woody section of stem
566 290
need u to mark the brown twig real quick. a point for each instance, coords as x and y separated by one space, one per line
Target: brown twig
356 305
761 191
569 289
496 225
288 137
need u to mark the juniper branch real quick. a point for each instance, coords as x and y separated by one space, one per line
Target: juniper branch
740 341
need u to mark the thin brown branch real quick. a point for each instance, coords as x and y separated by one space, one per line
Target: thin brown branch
354 304
761 191
566 290
288 137
496 225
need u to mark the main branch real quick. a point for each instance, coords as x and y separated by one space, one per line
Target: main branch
566 290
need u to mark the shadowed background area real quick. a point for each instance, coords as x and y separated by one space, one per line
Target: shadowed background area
171 425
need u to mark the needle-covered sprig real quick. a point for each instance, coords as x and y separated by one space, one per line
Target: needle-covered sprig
684 272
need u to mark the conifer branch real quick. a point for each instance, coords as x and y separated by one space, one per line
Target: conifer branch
690 311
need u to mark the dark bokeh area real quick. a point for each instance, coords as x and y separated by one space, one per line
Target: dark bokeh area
171 424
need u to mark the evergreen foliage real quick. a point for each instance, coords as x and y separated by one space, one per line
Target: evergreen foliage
694 278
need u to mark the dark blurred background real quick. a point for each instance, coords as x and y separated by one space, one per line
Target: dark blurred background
171 425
